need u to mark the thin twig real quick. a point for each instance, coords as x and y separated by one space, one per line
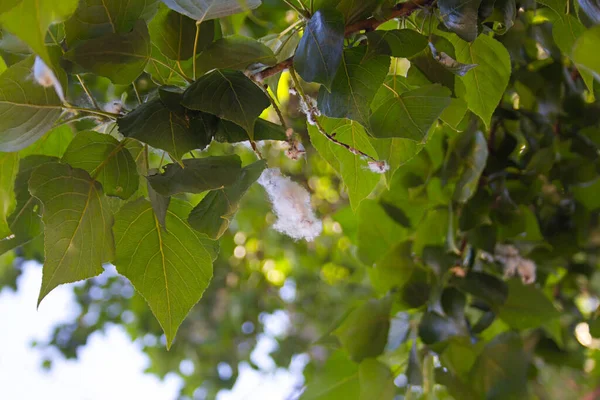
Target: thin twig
301 11
315 119
87 92
137 94
105 114
274 104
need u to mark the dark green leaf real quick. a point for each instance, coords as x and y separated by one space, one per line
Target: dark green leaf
403 43
354 86
175 132
119 57
460 16
228 132
203 10
489 288
450 63
106 160
28 109
364 331
169 269
475 163
436 328
174 34
96 18
414 370
197 175
229 95
160 203
9 164
319 53
234 52
411 114
77 224
214 213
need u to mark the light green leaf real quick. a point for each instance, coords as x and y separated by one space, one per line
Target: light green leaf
354 86
403 43
9 164
197 175
174 34
203 10
214 213
230 95
228 132
54 143
96 18
8 4
411 114
363 333
396 152
526 306
474 164
354 170
169 269
176 132
376 380
319 53
337 379
25 222
30 20
377 232
566 30
119 57
106 160
28 109
77 224
585 53
234 52
484 85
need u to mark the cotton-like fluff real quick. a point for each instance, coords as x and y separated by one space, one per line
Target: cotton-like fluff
291 204
514 264
45 77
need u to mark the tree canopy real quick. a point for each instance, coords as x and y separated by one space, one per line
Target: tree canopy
413 186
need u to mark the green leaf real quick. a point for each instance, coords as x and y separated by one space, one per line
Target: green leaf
169 269
228 132
9 163
475 163
484 85
319 53
585 52
30 20
354 86
230 95
376 380
337 379
364 331
160 203
174 34
28 109
203 10
214 213
106 160
566 30
489 288
357 177
396 152
435 328
450 63
403 43
500 371
432 230
197 175
526 306
119 57
25 222
54 143
234 52
177 132
96 18
8 4
460 16
411 114
77 224
377 233
163 70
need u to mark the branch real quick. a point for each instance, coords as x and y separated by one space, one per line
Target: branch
370 24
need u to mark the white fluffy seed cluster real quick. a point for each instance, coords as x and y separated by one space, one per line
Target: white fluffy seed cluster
45 77
291 204
379 167
514 264
310 110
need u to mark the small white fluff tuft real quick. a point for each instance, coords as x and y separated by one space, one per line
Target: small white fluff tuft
514 264
115 107
379 167
291 204
45 77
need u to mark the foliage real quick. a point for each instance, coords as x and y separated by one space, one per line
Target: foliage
451 150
